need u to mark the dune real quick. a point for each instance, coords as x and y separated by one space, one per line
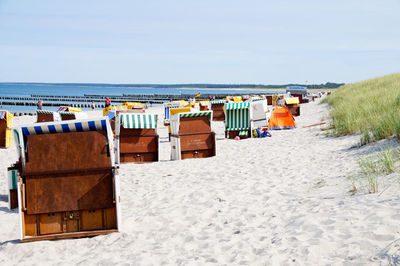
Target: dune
282 200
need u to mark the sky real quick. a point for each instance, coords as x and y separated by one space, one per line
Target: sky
207 41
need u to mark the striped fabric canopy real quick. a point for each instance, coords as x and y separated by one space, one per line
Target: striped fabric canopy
219 101
237 117
196 114
69 109
129 120
237 106
119 108
45 112
65 127
257 99
62 109
243 133
67 113
3 114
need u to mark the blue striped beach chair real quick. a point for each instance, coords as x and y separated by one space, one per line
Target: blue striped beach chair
69 184
167 113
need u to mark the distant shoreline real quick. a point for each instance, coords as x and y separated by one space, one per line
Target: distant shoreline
199 86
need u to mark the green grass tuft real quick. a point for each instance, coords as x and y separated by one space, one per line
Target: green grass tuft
370 107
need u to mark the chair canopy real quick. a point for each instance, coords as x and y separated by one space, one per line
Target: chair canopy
138 121
237 116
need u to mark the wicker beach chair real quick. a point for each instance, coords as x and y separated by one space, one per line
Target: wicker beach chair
191 135
68 184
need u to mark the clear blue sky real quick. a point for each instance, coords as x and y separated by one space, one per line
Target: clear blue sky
207 41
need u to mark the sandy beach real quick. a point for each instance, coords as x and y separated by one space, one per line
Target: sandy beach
282 200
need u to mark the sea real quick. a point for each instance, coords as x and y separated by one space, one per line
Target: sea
28 89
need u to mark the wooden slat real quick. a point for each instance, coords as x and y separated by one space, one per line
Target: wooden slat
69 235
138 144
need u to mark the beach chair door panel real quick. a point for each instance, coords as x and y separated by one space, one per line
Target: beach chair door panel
138 145
50 223
198 146
64 192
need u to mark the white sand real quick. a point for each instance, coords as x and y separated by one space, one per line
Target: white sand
277 201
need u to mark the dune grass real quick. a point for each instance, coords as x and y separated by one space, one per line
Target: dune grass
373 169
370 107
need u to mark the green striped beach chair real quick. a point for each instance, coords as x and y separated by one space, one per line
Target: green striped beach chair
137 139
237 120
191 135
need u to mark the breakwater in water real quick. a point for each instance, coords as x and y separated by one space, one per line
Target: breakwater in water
27 104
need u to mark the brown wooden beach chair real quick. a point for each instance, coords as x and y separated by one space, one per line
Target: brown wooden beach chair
68 185
136 137
218 110
191 136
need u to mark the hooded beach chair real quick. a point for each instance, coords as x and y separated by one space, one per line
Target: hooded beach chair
72 116
71 113
6 120
134 105
292 104
47 116
258 114
237 120
114 108
281 118
297 91
217 107
191 135
68 186
171 105
137 139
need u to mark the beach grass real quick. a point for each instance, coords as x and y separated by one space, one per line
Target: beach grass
374 168
370 107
